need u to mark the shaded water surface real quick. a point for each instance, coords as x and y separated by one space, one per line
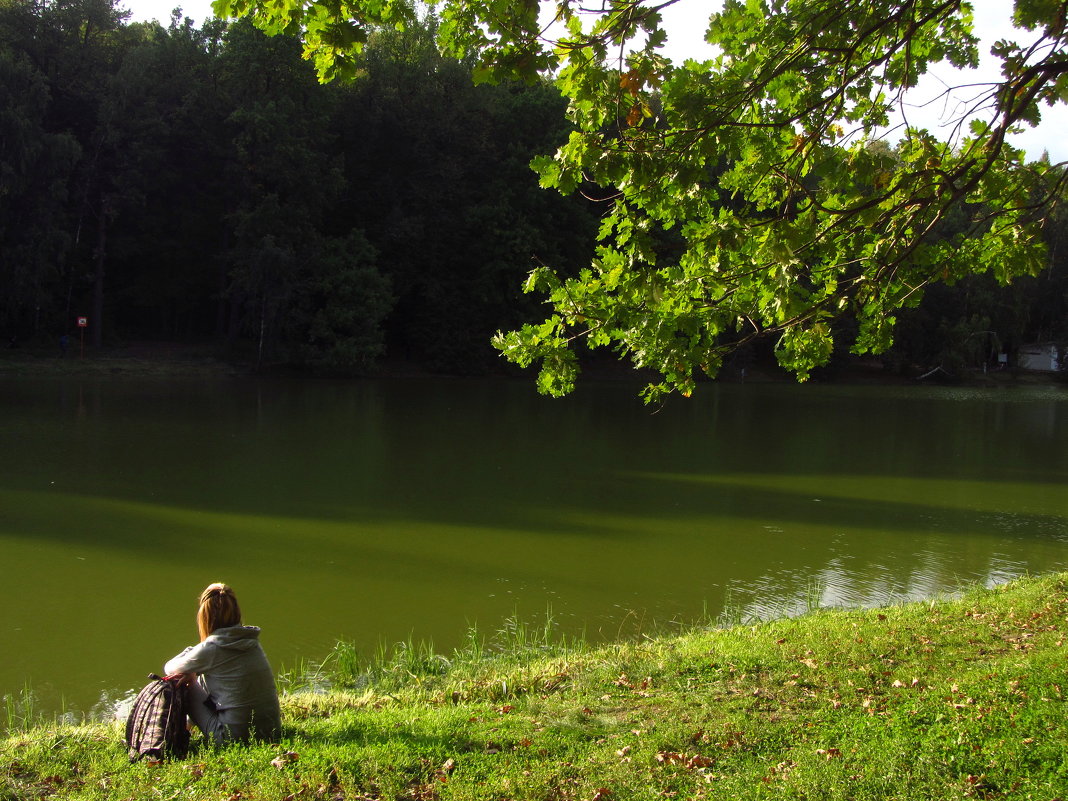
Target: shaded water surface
379 511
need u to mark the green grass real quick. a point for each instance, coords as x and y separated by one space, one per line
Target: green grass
953 699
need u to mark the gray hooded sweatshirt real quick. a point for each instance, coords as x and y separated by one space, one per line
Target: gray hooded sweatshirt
237 676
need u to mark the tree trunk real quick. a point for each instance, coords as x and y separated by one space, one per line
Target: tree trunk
223 306
96 318
263 329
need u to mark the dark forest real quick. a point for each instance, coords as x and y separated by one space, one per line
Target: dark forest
199 185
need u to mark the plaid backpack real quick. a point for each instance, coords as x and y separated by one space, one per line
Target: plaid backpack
156 727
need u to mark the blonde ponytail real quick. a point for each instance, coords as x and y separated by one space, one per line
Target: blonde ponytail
218 609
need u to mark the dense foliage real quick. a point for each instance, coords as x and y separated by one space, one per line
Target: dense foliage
751 197
201 186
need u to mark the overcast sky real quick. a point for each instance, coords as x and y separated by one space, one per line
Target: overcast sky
686 22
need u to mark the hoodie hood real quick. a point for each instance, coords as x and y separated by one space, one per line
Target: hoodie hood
240 638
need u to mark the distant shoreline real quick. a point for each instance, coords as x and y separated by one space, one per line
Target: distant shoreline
164 360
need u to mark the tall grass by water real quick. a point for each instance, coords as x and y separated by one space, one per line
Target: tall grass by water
946 699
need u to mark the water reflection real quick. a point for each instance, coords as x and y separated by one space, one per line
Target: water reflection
374 510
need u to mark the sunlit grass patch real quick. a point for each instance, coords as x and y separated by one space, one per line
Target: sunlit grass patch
947 699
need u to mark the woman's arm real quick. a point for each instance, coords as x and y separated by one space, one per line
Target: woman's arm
195 659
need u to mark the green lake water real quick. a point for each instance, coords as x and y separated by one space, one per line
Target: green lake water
381 511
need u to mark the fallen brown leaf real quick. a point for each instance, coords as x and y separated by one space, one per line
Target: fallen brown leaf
670 757
285 758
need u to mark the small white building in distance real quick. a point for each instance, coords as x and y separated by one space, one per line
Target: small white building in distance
1045 356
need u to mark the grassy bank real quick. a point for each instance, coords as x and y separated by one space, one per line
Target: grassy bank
133 362
943 700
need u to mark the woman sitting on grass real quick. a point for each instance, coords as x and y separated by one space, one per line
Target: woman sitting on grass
235 697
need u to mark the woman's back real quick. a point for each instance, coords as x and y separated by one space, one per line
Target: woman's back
238 680
235 697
